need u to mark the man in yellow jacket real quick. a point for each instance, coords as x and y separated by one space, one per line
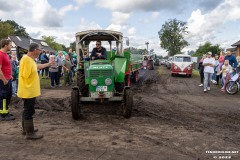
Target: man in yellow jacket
29 88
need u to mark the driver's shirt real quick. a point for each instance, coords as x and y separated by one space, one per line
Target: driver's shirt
102 51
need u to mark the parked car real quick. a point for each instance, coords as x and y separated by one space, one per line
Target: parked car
182 64
169 62
157 62
163 61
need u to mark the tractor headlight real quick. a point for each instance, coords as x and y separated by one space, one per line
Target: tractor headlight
94 82
108 81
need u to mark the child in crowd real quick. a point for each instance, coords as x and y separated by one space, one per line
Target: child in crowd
226 70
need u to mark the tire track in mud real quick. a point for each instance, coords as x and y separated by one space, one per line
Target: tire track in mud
197 121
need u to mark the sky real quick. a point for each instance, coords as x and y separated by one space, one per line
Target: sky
216 21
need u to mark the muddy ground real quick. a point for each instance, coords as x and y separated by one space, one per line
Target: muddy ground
172 120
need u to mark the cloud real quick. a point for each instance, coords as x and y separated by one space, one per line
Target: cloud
8 6
85 25
209 4
63 11
132 31
39 13
127 6
120 18
204 27
83 2
116 27
61 36
153 16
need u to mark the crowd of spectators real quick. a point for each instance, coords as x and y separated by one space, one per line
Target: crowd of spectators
218 69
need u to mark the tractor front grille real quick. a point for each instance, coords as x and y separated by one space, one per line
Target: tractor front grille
100 73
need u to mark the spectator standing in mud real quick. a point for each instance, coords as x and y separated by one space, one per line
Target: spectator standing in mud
214 76
67 71
70 55
59 60
29 88
208 64
201 69
5 80
14 65
226 71
98 52
53 70
221 62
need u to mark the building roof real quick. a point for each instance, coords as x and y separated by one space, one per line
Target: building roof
236 44
24 42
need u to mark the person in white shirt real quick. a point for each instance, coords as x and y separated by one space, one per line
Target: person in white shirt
208 64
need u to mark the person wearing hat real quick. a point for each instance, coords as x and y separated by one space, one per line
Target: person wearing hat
208 64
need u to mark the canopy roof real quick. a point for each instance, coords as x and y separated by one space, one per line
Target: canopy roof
102 35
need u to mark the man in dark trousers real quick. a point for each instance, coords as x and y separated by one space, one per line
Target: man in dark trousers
98 52
29 88
5 80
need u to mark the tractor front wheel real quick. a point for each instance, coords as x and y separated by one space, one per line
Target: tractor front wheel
75 106
127 103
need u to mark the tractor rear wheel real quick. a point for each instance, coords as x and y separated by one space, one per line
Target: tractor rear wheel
81 83
127 103
75 106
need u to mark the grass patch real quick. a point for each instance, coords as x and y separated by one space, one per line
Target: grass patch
196 73
160 70
45 83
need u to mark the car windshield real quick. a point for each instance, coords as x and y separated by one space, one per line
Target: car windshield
182 59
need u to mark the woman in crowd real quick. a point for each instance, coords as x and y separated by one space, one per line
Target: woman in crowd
214 76
219 68
201 69
53 71
226 70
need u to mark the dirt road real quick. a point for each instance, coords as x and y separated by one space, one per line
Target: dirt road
172 120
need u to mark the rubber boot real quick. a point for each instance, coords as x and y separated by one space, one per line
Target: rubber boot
29 128
23 129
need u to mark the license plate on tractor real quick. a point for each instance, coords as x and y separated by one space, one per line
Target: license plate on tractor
101 88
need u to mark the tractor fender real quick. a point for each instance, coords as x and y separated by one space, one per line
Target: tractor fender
75 88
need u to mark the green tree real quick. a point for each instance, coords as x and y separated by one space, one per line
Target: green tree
73 46
51 42
172 36
206 47
5 30
64 48
18 30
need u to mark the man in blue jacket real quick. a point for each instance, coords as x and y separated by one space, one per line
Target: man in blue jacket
232 61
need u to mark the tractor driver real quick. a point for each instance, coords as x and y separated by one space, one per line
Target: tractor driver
98 52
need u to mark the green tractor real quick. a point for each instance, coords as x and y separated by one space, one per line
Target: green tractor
103 80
